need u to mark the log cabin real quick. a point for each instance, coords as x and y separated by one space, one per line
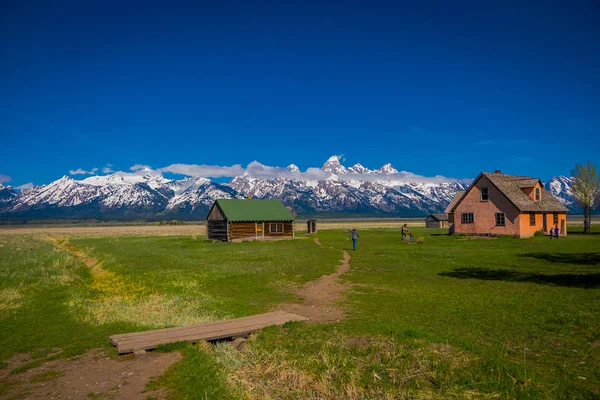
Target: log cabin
231 219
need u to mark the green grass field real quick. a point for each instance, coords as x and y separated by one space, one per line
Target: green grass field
451 317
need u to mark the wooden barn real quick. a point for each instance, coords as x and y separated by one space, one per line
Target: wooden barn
436 221
230 219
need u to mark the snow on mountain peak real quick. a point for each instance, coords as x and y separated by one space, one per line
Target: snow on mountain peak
387 169
333 165
293 168
358 168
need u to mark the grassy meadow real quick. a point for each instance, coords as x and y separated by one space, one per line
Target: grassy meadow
452 317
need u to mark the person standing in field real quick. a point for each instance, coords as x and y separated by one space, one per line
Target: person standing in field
354 235
404 232
556 231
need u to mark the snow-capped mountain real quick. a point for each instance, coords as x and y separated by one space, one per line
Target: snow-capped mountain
119 195
560 187
6 194
334 166
333 188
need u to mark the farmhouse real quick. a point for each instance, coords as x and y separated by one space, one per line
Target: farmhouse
436 221
230 219
500 204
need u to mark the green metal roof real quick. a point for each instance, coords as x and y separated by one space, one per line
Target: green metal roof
254 210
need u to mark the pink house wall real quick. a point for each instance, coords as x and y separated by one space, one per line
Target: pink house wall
485 212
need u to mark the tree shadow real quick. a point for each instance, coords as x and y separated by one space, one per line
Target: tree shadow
587 281
566 258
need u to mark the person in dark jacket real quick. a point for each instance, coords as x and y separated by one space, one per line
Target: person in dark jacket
354 235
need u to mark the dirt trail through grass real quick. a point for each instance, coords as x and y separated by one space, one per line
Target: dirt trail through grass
320 296
91 375
94 374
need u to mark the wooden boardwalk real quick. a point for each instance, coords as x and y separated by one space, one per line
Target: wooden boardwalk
233 328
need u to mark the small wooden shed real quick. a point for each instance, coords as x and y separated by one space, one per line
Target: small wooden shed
311 226
436 221
230 219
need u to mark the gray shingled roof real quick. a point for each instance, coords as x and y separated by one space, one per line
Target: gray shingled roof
440 217
528 183
511 186
454 201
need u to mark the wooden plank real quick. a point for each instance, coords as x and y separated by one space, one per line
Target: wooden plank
207 328
130 342
154 339
242 320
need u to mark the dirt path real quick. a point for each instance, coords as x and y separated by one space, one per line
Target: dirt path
320 296
93 374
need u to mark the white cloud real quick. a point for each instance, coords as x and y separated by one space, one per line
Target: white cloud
206 171
28 185
5 178
137 167
400 177
261 171
81 171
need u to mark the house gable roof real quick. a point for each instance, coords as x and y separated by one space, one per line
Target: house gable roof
459 195
237 210
439 217
512 186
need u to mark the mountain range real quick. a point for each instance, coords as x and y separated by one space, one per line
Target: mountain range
332 189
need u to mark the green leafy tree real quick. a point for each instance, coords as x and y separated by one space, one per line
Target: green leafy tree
586 189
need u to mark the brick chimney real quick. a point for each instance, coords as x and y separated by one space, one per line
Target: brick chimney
497 172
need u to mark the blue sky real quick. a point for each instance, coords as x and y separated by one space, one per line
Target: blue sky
435 88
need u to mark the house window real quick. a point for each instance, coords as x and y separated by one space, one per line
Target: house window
276 228
500 219
532 219
484 194
555 219
537 194
467 218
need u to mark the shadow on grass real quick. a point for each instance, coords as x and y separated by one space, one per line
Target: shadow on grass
567 258
571 280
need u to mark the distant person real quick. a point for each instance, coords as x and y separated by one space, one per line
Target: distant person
404 232
410 236
354 235
556 231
